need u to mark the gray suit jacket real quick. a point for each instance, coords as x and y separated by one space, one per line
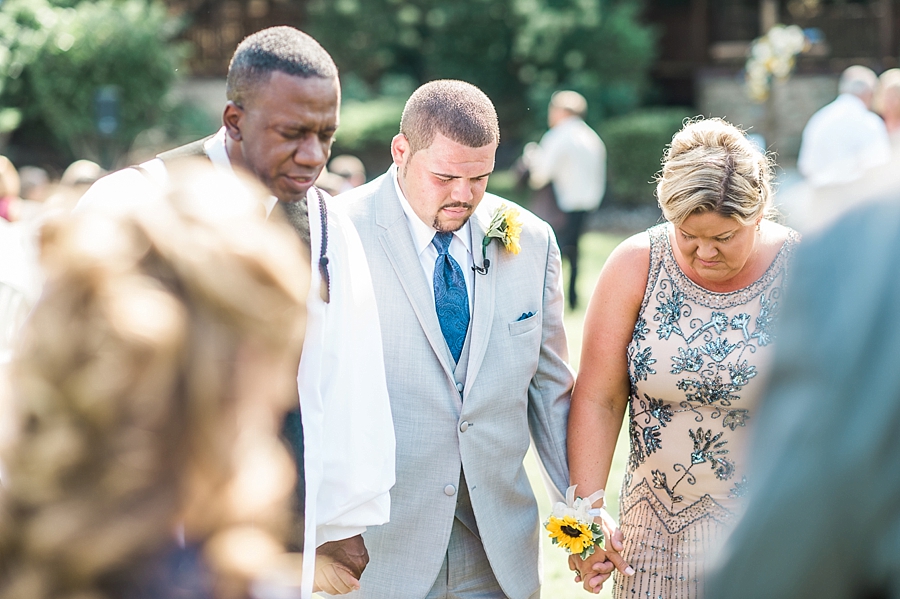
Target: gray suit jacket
824 518
517 390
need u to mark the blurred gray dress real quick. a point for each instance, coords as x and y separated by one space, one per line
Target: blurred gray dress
695 364
823 519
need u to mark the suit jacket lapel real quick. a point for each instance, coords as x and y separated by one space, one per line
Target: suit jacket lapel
398 244
485 285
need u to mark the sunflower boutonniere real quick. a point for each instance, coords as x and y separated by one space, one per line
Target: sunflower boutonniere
571 524
505 226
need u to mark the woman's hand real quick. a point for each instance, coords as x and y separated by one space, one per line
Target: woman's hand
598 567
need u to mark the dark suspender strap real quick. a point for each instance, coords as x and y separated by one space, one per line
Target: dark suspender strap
323 258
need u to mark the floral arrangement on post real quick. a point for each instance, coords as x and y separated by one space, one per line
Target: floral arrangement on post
773 55
571 524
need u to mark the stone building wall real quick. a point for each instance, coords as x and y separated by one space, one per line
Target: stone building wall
792 103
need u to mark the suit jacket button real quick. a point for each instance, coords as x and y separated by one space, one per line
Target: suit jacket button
463 426
459 387
449 490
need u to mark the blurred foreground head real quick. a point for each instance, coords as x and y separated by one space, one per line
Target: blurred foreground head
148 388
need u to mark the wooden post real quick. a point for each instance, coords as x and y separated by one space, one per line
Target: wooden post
886 31
768 15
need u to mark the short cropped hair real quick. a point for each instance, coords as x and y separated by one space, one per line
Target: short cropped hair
282 49
711 166
571 102
456 109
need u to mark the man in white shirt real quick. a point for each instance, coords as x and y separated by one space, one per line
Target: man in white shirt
279 122
572 158
845 139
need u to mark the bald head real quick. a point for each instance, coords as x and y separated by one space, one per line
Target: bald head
455 109
859 81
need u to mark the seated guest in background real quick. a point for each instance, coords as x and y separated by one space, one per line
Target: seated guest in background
350 168
148 391
679 332
844 139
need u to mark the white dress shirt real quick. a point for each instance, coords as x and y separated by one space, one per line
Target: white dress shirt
423 234
841 142
572 157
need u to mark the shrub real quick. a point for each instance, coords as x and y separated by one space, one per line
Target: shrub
634 148
55 62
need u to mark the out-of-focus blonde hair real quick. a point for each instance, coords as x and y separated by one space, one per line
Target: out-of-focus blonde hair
149 387
711 166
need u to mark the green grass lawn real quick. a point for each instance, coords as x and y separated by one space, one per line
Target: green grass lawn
558 580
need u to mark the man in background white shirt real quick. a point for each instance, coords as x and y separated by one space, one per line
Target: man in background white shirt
572 158
845 139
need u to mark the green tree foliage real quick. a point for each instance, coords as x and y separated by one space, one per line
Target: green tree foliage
517 51
634 146
56 56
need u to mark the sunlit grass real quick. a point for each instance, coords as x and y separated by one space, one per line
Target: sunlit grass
558 580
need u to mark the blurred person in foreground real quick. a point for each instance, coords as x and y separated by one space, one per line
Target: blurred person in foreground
478 372
147 394
680 332
279 123
822 520
571 158
845 138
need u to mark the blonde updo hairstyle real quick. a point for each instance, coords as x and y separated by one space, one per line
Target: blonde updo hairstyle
145 397
711 166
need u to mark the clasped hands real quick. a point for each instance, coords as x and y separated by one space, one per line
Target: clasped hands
598 567
339 566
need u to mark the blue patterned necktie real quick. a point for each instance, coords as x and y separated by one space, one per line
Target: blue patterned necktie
451 301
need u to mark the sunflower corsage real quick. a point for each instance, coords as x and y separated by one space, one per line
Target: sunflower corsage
505 226
571 524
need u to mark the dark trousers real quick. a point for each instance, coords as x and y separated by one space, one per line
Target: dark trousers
567 236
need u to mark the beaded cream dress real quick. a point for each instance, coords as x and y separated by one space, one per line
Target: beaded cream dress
696 363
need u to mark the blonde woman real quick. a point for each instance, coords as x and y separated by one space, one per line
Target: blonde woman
148 388
679 331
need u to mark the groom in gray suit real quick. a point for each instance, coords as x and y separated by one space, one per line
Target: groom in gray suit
475 353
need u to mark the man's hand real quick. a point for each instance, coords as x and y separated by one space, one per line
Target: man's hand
598 567
593 571
339 565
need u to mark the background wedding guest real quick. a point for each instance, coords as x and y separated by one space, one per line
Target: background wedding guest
148 391
680 332
478 357
822 520
350 168
844 139
35 183
889 105
278 124
10 202
571 158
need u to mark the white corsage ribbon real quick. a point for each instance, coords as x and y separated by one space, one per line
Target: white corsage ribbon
571 524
